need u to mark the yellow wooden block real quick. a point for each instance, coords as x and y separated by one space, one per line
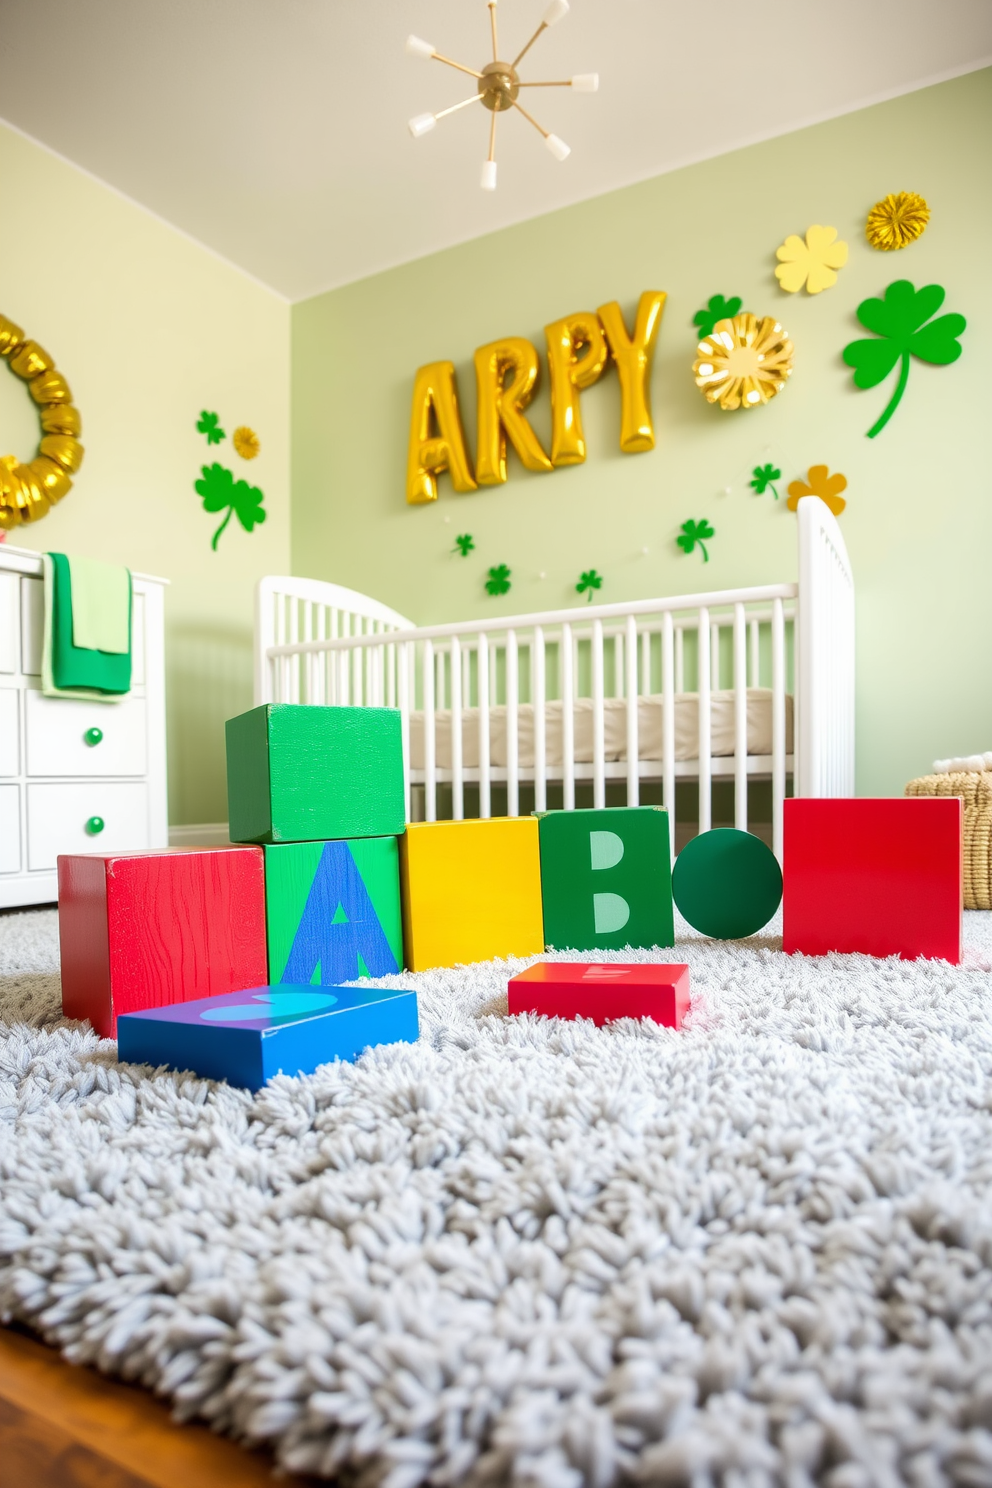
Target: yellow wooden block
471 891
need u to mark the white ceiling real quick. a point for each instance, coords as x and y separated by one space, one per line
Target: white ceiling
274 131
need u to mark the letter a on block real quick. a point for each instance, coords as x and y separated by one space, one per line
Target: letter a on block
501 408
435 403
633 358
339 934
606 879
571 370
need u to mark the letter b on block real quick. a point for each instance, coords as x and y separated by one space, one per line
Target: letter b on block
606 879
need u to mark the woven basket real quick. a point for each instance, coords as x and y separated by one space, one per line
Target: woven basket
975 790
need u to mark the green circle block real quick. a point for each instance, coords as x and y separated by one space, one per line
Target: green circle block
727 883
95 825
93 736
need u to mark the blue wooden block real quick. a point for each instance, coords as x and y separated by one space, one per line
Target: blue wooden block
247 1037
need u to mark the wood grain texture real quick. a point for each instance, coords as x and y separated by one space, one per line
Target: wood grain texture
68 1427
178 925
622 852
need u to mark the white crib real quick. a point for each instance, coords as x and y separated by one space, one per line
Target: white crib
739 684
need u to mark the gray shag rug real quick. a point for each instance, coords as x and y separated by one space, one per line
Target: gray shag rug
756 1252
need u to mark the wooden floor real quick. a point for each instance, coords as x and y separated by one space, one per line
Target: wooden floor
68 1427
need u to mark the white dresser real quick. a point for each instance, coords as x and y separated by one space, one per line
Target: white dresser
74 776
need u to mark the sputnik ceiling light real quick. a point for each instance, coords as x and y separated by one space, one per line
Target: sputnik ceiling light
498 86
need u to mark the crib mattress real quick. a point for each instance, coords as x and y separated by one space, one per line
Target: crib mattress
649 730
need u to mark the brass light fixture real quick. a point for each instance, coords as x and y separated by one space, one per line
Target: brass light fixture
498 88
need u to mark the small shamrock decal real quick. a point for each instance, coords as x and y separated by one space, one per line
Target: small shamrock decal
498 581
589 581
463 544
219 489
899 322
764 478
209 424
693 534
717 309
820 483
811 262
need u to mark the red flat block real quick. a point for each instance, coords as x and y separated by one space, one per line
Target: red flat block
602 991
881 877
145 930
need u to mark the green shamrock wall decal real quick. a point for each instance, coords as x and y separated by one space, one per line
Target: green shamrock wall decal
498 581
209 424
764 478
693 534
899 322
219 489
463 544
588 581
717 309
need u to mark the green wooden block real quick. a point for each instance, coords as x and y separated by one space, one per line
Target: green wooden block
333 910
606 879
302 774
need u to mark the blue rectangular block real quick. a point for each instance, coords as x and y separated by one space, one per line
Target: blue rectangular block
247 1037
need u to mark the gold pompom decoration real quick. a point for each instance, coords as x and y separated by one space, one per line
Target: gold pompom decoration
896 221
743 362
29 491
246 442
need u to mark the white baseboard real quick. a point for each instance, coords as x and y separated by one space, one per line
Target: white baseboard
200 834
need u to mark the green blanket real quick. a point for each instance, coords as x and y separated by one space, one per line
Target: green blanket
75 668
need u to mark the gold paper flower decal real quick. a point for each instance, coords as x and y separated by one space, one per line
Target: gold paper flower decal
246 442
743 362
812 262
820 483
896 220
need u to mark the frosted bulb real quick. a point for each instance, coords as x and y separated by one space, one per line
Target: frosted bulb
555 12
488 178
558 147
422 124
418 48
586 82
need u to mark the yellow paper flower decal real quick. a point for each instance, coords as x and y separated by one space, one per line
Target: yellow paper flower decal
743 362
820 483
812 262
896 220
246 442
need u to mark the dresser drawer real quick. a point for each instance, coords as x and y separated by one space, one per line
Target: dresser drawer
10 733
10 829
60 730
58 816
10 642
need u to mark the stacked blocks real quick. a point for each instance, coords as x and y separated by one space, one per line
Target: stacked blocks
142 930
606 879
883 877
247 1037
333 910
559 989
471 891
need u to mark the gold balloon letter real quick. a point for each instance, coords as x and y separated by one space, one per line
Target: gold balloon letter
569 373
501 408
434 394
633 359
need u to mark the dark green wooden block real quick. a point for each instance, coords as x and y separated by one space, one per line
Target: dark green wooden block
302 774
727 883
606 879
333 910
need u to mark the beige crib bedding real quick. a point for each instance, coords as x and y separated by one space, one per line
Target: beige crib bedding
649 730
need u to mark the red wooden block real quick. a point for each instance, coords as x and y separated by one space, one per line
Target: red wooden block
602 991
883 877
143 930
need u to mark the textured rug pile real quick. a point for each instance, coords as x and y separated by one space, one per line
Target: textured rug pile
756 1252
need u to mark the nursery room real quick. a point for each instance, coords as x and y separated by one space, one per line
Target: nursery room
495 744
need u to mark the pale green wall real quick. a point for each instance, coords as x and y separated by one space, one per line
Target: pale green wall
149 328
919 519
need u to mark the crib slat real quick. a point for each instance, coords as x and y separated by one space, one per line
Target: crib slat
482 682
778 726
740 719
538 699
754 643
598 719
405 661
512 727
430 752
567 652
705 717
619 670
457 779
668 722
680 658
646 662
714 656
633 752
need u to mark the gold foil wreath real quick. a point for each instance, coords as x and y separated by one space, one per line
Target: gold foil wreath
27 492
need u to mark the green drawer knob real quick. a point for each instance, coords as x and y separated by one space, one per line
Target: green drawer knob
95 825
93 736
